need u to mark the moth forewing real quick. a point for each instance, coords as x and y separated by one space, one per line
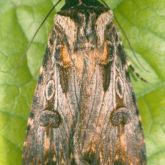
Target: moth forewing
84 110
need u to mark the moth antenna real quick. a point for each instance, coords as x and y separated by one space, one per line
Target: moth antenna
31 41
105 4
123 31
129 44
43 21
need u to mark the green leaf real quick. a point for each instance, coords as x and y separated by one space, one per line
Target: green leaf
142 21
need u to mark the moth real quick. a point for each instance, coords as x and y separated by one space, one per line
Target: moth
84 110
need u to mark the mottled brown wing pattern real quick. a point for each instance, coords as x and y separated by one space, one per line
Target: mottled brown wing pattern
84 110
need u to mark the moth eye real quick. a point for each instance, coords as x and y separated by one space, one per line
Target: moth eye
50 118
121 116
50 89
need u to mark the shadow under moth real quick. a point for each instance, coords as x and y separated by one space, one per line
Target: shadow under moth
84 109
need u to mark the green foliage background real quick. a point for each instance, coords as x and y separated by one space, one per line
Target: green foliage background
144 23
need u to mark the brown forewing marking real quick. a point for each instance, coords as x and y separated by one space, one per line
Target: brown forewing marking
65 57
104 56
120 116
64 75
101 24
105 38
106 75
50 118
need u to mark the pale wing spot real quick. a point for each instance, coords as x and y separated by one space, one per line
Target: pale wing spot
119 87
50 89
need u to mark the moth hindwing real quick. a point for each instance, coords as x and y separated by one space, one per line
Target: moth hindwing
84 110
